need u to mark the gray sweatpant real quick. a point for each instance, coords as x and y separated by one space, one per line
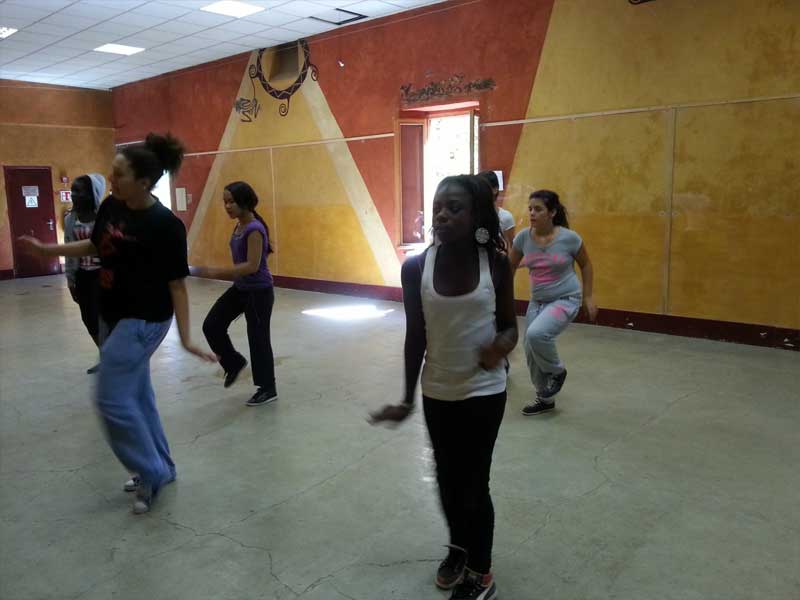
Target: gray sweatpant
545 321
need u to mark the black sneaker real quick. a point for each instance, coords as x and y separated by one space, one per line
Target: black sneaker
263 396
451 569
233 374
475 586
554 385
539 407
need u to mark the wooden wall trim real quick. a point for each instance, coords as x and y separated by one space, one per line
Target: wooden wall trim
725 331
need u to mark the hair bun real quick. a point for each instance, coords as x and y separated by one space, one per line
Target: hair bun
167 148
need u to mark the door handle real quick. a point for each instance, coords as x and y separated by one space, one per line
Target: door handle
50 223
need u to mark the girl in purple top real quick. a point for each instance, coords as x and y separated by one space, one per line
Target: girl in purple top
251 294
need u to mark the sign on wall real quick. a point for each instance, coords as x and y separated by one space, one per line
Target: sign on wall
66 195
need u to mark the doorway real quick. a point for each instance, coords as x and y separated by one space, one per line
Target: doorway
29 192
435 142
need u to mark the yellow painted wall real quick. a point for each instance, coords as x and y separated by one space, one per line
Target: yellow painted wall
610 174
736 207
309 194
685 210
608 54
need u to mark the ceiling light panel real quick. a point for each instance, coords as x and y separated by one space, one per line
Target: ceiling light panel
232 8
119 49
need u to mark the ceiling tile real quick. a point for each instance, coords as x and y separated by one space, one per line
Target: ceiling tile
138 20
57 70
59 53
372 8
257 41
282 35
26 37
336 3
161 9
301 8
54 31
215 34
121 4
206 19
273 18
46 5
243 27
22 13
18 24
92 11
115 29
309 26
149 38
63 20
11 46
78 44
135 61
179 27
186 44
7 57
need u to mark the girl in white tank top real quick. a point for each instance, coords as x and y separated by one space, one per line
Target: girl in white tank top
459 303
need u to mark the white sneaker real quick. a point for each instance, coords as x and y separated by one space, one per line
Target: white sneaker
143 502
132 484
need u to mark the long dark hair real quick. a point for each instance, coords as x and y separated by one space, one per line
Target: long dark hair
157 154
483 211
552 203
245 197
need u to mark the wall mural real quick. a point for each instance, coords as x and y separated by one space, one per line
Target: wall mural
446 88
248 108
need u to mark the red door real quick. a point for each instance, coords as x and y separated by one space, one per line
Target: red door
29 191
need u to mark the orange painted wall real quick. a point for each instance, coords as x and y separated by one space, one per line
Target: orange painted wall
68 129
193 104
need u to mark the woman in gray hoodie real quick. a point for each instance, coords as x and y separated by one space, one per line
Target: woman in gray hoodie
83 273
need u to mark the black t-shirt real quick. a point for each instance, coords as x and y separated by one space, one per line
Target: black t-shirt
141 251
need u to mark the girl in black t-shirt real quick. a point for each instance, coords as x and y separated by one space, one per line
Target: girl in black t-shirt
142 250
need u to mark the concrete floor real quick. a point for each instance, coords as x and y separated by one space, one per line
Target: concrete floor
670 470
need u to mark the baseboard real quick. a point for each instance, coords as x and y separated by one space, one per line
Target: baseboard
6 274
725 331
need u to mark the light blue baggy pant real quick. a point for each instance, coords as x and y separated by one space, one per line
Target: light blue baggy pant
127 403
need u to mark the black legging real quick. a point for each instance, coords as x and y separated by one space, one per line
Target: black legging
87 291
257 308
463 434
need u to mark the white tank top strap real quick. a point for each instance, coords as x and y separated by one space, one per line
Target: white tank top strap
456 328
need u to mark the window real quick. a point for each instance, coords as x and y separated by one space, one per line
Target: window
435 143
163 190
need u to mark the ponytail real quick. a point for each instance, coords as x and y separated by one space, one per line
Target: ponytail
552 203
270 250
157 154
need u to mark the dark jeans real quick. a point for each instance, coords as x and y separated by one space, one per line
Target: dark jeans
87 290
463 434
257 308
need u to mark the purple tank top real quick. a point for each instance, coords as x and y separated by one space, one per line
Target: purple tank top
262 278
